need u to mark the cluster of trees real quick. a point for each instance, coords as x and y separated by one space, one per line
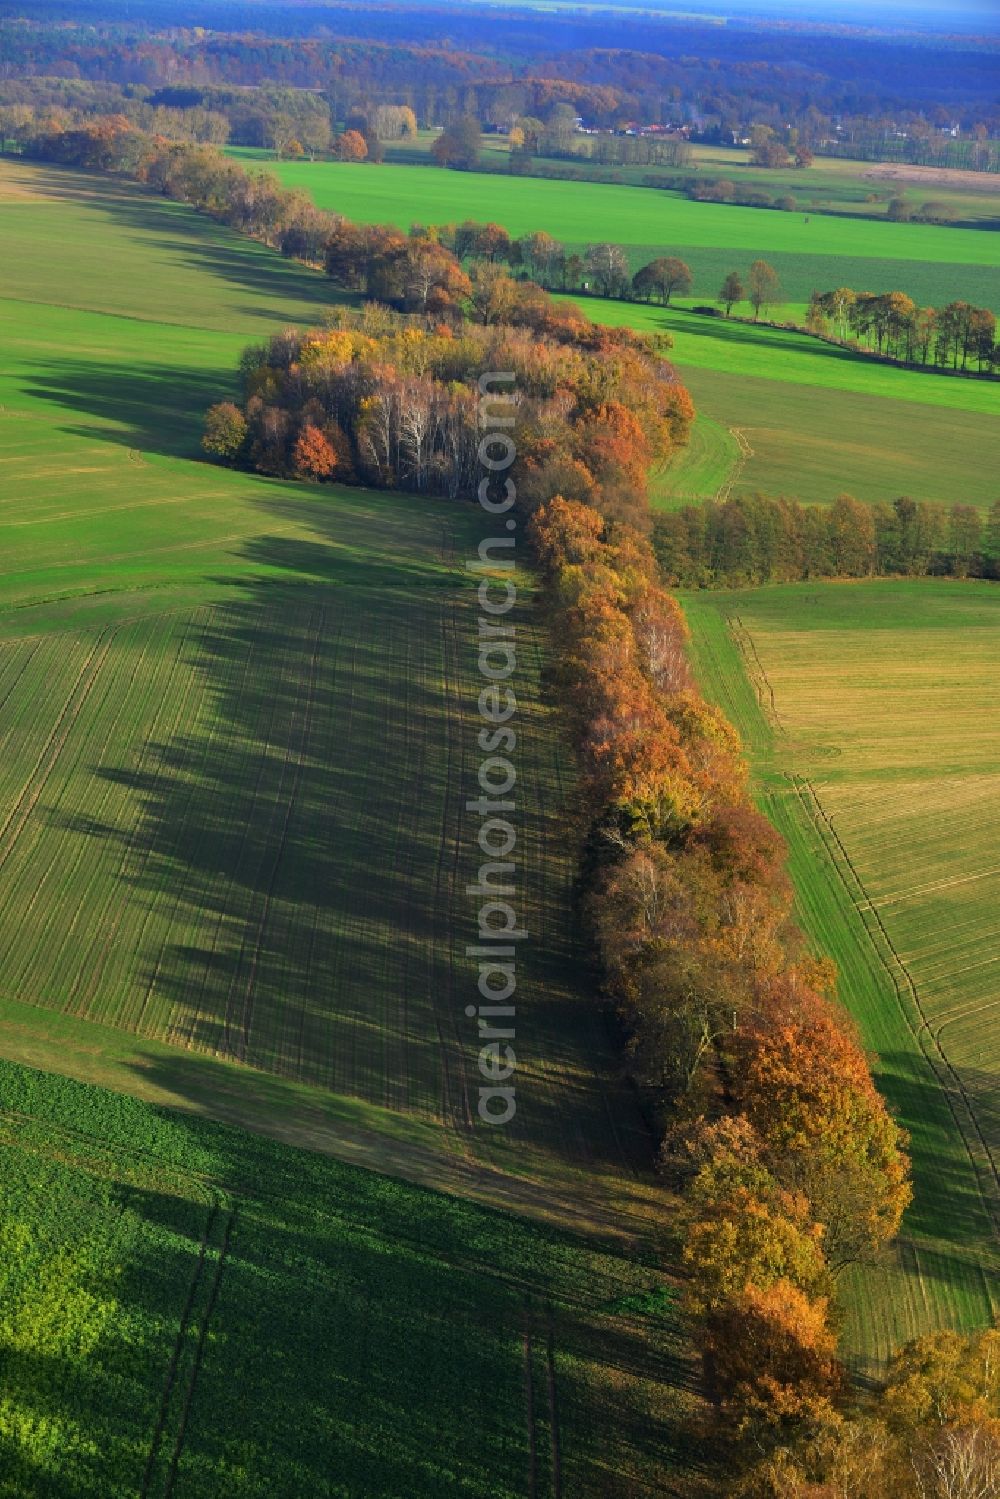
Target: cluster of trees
755 539
892 325
789 1164
902 211
252 203
866 139
389 399
771 148
931 1432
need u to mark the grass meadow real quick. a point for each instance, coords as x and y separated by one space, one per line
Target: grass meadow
864 708
833 185
934 264
813 420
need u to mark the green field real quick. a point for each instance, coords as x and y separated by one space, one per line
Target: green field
866 709
239 724
815 420
788 414
192 1311
933 264
831 184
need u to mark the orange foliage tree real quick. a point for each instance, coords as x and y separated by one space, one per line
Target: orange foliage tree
313 454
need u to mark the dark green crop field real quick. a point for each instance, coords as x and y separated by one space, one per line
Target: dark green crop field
191 1311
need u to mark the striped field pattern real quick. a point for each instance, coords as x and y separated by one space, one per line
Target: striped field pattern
870 715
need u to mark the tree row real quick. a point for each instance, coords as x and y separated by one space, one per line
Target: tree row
754 539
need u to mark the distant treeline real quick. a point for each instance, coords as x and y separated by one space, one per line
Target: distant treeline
269 117
754 539
864 141
613 69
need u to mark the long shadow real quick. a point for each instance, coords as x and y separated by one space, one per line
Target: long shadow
950 1204
155 407
301 848
365 1334
309 826
203 245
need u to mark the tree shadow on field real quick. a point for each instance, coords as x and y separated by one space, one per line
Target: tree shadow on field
313 825
296 865
154 407
198 243
955 1200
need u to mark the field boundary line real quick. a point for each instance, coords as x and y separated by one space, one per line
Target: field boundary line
550 1370
529 1405
756 673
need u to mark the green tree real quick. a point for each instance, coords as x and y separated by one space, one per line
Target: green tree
225 431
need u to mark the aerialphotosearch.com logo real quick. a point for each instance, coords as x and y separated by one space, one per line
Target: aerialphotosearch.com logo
498 930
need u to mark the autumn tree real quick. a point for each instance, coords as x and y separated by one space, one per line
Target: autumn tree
662 278
313 456
746 1229
350 146
771 1362
608 265
764 287
542 254
493 293
852 537
731 291
825 1132
459 145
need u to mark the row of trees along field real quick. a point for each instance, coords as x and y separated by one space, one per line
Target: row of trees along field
756 539
891 324
788 1164
370 258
